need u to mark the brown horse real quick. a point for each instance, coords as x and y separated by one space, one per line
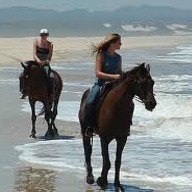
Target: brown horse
38 90
114 118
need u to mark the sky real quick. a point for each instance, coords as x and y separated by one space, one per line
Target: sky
61 5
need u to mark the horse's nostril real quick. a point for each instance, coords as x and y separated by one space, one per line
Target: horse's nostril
154 103
151 105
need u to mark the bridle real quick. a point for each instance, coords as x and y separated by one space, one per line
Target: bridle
140 81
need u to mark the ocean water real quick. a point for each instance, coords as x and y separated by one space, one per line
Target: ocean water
158 154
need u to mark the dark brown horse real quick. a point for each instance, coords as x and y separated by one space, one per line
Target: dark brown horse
38 90
114 118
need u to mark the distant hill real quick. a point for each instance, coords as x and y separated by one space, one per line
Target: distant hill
131 21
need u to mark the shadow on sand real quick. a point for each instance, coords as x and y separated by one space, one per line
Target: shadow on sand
64 137
111 188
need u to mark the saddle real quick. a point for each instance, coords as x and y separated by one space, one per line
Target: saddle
104 90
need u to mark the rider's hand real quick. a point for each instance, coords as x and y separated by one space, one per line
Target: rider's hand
46 62
43 63
116 76
39 62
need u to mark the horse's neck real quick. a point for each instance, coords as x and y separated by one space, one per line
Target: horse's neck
125 88
37 79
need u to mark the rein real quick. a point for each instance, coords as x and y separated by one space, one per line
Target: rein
138 99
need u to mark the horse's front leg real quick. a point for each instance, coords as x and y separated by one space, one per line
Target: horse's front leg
87 145
102 181
120 146
49 132
33 118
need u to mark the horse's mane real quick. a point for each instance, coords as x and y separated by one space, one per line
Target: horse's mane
131 72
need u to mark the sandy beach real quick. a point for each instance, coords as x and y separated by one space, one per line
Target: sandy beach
13 50
16 175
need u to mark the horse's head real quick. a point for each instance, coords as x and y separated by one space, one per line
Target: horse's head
25 71
26 67
144 86
35 78
32 70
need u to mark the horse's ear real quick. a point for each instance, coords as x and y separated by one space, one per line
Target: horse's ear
143 65
23 65
148 67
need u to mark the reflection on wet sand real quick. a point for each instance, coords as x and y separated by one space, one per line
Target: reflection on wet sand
29 179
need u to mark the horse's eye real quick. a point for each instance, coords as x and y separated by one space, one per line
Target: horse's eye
138 81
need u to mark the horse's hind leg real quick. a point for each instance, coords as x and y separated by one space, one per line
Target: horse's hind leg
102 181
120 146
87 145
53 117
49 132
33 118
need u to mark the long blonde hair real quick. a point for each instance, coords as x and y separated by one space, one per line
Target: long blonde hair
104 45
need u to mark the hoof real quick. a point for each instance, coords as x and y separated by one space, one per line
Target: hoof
33 136
102 183
55 133
90 179
49 135
119 189
118 186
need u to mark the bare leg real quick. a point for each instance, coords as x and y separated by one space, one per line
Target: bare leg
33 118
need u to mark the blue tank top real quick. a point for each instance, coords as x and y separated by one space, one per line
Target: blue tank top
110 65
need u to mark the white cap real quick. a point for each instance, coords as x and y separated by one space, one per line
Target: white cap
44 31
